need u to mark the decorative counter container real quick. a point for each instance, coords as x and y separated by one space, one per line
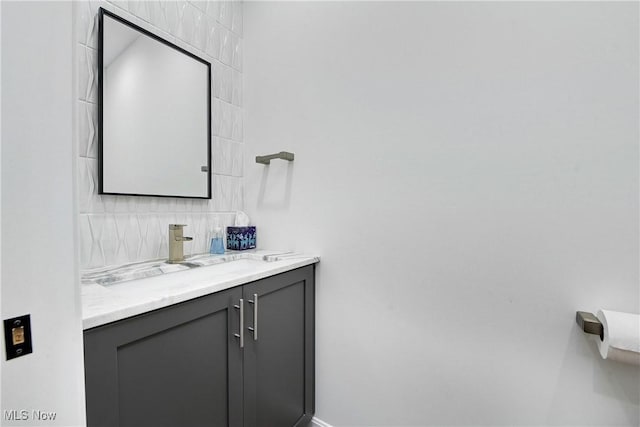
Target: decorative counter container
241 238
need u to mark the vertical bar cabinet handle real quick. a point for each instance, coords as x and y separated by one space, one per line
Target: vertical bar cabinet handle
241 335
254 329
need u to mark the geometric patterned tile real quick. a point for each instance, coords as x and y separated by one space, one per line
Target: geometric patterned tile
157 15
122 229
222 161
202 5
87 129
87 74
88 199
171 10
211 8
226 93
122 5
125 204
187 21
228 193
226 45
236 52
236 88
229 157
200 31
85 240
146 247
140 9
237 159
96 253
236 120
216 117
226 121
222 116
213 43
236 21
225 13
128 236
222 76
85 186
109 239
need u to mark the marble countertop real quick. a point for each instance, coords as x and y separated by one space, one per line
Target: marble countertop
116 293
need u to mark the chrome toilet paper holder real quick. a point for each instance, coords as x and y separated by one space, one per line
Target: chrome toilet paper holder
590 324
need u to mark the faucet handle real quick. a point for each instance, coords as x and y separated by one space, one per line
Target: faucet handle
176 239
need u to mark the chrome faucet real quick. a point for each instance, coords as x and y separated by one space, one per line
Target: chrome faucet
176 247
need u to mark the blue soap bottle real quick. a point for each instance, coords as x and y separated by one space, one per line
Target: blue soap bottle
217 242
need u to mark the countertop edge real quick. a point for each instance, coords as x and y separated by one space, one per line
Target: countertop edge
92 321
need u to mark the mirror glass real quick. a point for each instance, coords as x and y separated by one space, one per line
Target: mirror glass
155 133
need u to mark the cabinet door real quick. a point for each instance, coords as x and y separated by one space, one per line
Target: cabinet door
177 366
279 365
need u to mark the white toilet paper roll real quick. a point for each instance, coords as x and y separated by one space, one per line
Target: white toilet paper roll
621 340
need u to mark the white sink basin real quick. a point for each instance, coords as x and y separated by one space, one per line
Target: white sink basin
230 263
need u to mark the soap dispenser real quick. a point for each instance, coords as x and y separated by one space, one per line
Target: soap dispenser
217 241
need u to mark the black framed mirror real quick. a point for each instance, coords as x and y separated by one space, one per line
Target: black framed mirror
154 114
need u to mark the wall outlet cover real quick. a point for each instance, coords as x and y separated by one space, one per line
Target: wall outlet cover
17 336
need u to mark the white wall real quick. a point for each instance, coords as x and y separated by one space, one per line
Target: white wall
121 229
469 174
39 261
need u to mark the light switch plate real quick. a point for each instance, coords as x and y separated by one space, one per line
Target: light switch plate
17 336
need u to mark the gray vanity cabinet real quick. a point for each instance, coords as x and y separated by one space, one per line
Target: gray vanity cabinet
183 365
279 364
177 366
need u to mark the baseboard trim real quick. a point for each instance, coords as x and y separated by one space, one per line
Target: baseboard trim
315 422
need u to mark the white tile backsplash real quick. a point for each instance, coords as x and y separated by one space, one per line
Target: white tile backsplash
222 118
222 81
212 9
157 15
229 157
236 24
226 125
200 31
226 45
87 21
85 240
213 42
236 52
187 16
87 74
172 17
111 239
140 9
129 232
236 84
123 229
202 5
225 13
88 199
228 192
216 78
121 5
87 130
237 123
96 253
